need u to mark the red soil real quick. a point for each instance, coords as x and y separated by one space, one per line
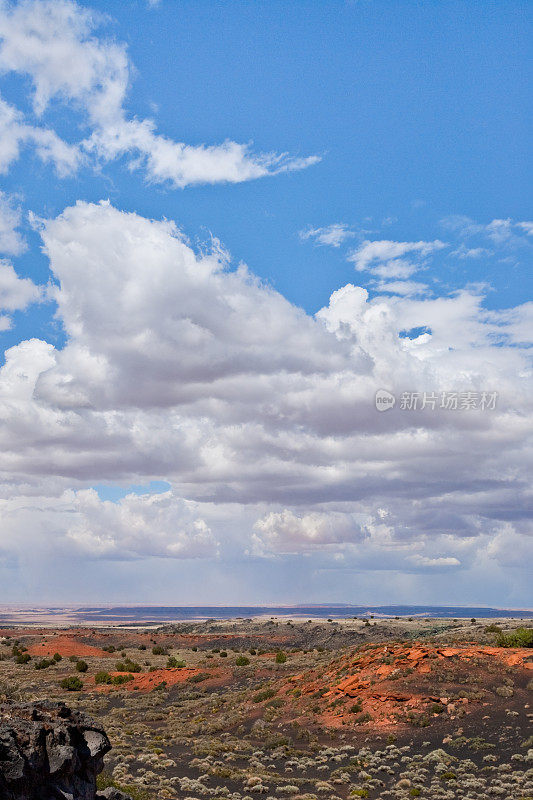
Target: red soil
66 646
147 681
392 682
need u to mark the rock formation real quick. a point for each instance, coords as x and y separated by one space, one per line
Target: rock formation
48 752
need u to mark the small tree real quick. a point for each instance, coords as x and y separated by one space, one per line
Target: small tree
72 683
280 657
81 666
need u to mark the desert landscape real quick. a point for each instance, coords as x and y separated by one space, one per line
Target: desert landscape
270 707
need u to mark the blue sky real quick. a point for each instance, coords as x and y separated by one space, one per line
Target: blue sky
377 145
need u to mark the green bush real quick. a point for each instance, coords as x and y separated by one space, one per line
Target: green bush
277 702
81 666
242 661
73 659
72 683
105 781
492 628
44 663
57 657
362 718
521 637
280 657
103 677
117 680
127 666
22 658
159 651
174 662
266 694
199 677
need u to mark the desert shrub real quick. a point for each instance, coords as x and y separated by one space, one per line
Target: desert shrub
81 666
356 708
280 657
521 637
57 657
362 718
198 678
127 666
174 662
103 677
266 694
22 658
194 649
44 663
72 683
109 649
359 793
159 651
492 628
418 720
242 661
118 680
223 654
106 781
448 776
142 647
504 691
252 651
415 792
437 708
277 702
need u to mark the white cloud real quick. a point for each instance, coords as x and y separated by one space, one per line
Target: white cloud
11 242
287 532
55 43
502 233
384 258
471 252
333 235
439 563
178 368
16 293
16 133
157 525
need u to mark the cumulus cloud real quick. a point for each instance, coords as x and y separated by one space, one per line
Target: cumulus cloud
80 523
333 235
287 532
16 293
385 258
56 44
178 367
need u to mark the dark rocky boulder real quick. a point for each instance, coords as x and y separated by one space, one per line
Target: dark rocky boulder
48 752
